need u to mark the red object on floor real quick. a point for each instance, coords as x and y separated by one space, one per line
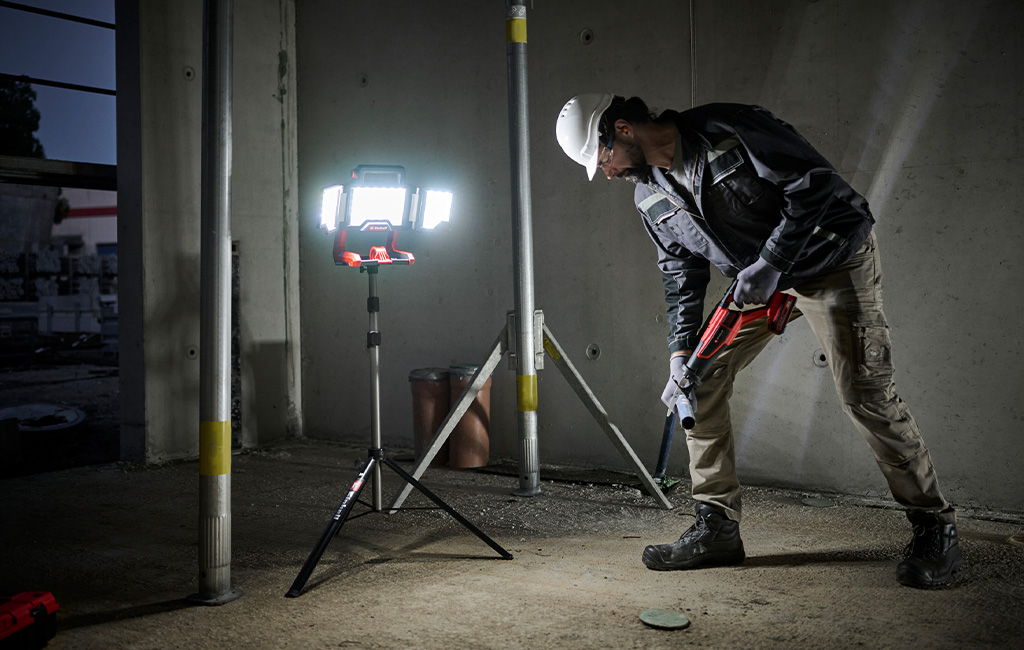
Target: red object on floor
27 620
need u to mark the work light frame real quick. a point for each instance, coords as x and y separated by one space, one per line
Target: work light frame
342 211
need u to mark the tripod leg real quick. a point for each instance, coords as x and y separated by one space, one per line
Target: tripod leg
505 555
332 528
589 400
461 406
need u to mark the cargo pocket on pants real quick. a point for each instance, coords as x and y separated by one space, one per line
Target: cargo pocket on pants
873 353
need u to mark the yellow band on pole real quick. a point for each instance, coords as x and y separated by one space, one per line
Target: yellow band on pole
526 391
214 448
515 30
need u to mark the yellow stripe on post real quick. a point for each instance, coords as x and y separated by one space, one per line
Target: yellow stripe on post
526 390
214 448
515 30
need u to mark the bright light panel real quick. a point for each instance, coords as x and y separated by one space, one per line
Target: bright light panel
437 209
377 204
329 207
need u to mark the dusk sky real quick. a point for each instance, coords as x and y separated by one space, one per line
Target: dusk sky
74 125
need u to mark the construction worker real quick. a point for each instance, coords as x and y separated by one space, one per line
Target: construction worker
734 186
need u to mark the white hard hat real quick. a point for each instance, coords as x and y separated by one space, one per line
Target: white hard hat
577 128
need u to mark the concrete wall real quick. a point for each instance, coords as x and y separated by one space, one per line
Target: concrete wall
159 162
915 102
918 105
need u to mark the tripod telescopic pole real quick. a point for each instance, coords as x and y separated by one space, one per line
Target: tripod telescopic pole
373 343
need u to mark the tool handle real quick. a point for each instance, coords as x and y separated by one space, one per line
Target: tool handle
720 331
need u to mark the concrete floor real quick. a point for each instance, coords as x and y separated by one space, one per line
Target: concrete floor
90 388
118 548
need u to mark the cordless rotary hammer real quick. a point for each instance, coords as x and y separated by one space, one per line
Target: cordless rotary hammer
716 334
721 329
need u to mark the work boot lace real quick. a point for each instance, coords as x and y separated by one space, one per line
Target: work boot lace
696 531
926 543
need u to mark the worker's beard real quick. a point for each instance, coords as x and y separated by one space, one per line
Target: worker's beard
638 171
636 175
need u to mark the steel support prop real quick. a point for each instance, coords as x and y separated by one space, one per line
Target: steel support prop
215 312
525 337
522 223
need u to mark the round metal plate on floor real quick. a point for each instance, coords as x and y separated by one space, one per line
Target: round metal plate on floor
43 417
816 502
664 619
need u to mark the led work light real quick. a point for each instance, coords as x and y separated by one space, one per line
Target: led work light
377 199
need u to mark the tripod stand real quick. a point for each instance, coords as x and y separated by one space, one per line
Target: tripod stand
376 456
506 344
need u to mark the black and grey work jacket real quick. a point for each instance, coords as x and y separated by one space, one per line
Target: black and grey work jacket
743 184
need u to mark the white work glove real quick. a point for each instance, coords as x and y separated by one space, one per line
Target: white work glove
676 379
756 284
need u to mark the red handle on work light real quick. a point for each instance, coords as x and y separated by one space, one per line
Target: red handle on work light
386 254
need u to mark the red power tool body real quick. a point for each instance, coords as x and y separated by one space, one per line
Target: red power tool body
717 333
723 326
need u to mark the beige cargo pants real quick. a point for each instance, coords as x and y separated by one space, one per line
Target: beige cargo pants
844 309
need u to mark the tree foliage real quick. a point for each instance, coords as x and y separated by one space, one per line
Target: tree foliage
19 120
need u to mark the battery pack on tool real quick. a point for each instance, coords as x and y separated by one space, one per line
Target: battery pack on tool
28 620
779 311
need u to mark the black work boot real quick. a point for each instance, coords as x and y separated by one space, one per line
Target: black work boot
932 556
712 540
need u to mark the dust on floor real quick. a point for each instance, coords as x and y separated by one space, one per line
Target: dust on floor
119 548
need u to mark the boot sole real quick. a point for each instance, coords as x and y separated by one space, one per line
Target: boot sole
706 560
911 580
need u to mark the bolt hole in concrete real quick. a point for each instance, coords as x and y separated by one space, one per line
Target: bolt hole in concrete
819 359
587 36
593 351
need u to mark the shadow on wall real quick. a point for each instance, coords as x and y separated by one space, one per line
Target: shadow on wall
264 412
173 370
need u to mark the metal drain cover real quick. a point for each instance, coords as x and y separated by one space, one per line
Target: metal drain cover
43 417
664 619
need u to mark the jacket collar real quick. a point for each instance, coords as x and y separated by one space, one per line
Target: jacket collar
684 178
